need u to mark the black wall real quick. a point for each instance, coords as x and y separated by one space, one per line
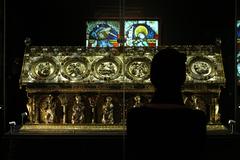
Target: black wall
58 22
1 67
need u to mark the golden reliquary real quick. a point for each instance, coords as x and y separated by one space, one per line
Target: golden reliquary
73 86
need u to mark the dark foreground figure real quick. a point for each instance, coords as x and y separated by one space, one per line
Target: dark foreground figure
166 128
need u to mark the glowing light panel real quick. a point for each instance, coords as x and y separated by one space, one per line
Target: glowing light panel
102 33
141 33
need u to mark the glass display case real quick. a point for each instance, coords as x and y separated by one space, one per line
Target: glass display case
91 89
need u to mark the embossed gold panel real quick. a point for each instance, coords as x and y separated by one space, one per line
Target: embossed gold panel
73 85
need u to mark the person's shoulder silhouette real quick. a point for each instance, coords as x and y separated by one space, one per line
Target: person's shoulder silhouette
165 127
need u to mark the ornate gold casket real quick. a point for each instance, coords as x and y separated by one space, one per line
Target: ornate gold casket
91 89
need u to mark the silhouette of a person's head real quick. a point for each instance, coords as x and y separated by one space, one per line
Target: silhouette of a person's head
180 125
168 72
168 69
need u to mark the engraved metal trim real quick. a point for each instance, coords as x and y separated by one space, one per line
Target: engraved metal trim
201 68
138 69
107 68
75 68
44 68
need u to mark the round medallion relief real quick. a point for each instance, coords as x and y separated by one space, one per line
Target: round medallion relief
44 68
201 68
138 68
107 68
76 68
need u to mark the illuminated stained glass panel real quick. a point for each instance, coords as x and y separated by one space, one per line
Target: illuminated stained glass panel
141 33
102 33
